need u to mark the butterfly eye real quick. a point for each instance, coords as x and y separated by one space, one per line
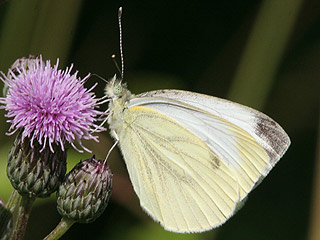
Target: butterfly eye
117 90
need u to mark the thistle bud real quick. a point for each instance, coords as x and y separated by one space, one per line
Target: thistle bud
35 171
20 64
85 191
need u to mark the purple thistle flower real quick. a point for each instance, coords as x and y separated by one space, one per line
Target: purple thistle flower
50 105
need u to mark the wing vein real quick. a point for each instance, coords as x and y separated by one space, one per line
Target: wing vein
180 153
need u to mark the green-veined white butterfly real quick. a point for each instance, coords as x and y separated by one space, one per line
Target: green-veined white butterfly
192 158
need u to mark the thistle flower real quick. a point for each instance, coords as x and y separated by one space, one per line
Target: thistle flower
48 108
50 105
85 191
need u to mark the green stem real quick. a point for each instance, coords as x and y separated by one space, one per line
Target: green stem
7 212
5 217
21 219
60 229
13 201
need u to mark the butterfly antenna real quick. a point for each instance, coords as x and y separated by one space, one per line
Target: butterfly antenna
120 42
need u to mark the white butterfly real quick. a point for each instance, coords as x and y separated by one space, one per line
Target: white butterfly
192 158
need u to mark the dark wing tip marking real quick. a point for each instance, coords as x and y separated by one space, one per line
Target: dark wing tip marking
274 136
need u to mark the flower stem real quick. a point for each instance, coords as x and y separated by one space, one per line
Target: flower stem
13 201
7 211
21 218
5 217
60 229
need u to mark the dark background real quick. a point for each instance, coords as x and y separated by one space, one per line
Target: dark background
240 50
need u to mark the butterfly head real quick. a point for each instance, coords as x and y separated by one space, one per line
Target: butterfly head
116 89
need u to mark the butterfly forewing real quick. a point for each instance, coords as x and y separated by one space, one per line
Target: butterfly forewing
262 128
234 146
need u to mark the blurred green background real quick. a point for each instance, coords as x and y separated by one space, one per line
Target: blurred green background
265 54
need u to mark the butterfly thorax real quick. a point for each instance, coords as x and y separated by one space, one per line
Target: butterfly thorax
120 97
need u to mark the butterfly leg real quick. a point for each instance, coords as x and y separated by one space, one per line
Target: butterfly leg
110 150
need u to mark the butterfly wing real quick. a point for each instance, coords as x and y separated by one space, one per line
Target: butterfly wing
192 158
179 180
247 140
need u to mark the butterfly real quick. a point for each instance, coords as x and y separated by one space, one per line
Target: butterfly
192 158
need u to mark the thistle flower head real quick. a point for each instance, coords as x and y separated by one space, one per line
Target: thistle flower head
50 105
85 191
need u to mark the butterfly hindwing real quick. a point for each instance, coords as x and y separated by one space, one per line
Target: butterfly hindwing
179 180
